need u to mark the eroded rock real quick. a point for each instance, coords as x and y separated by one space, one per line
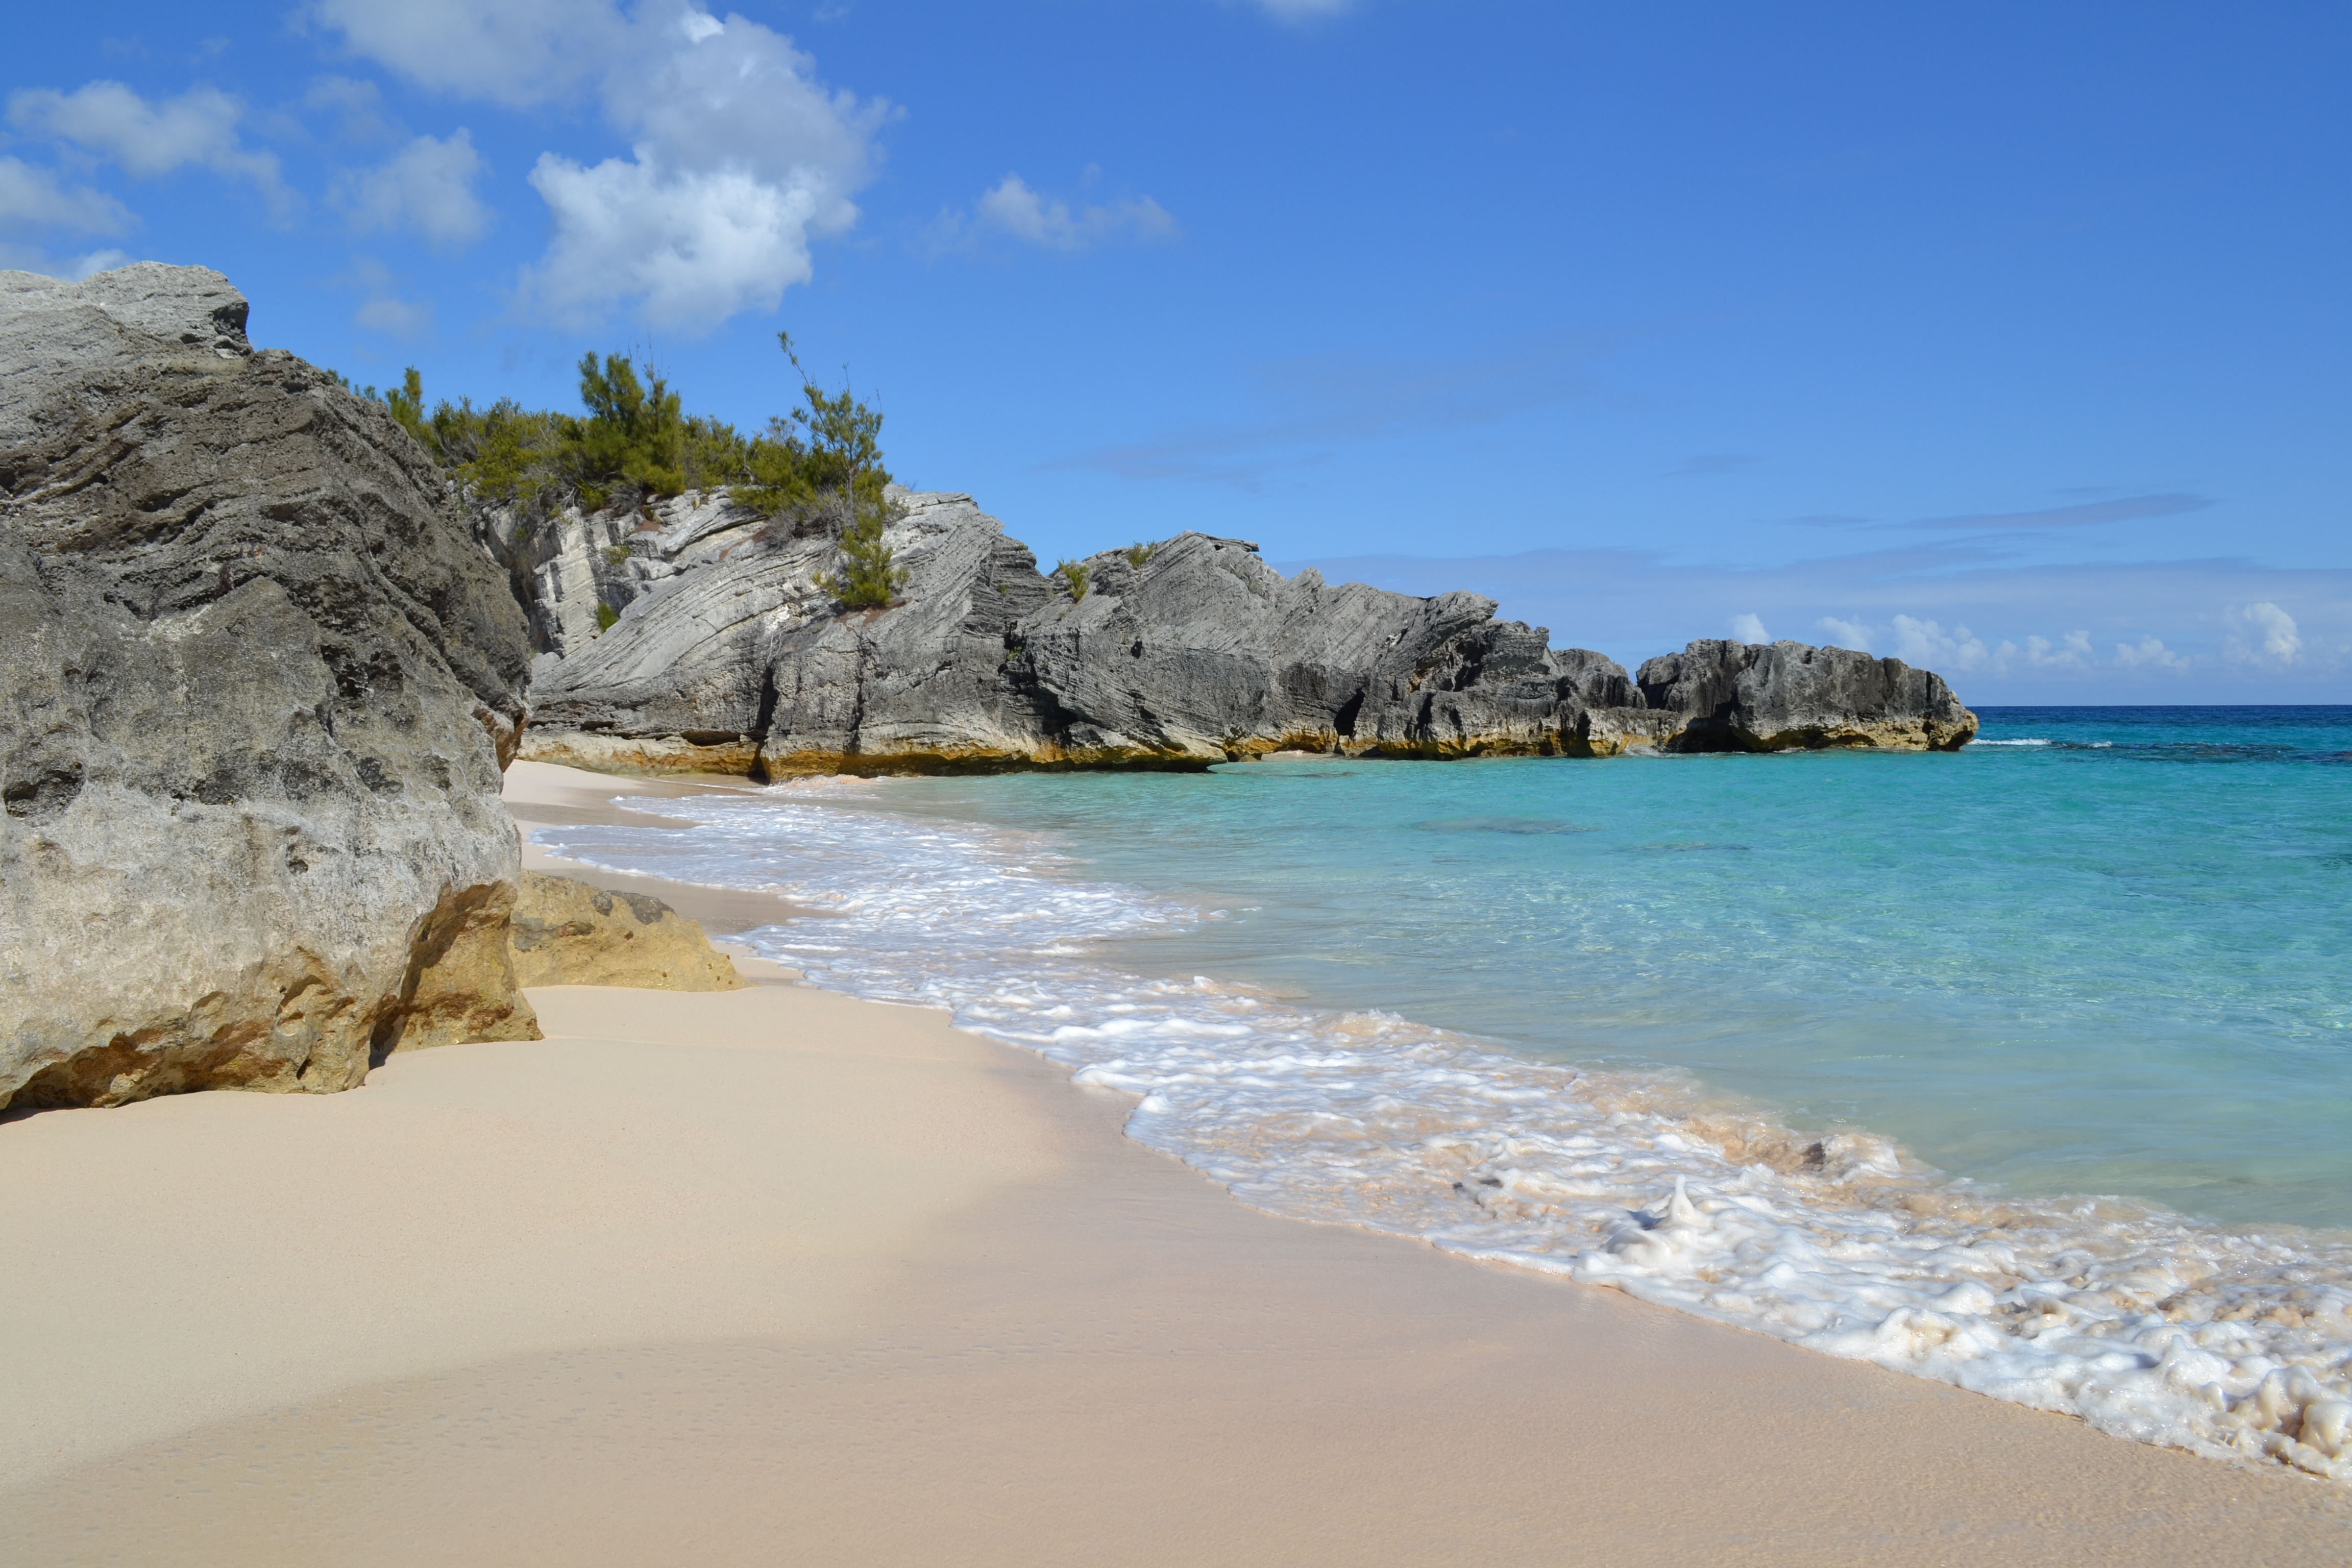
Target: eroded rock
259 686
566 932
1777 697
729 656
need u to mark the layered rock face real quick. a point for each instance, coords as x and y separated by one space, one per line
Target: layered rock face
568 933
1753 697
730 656
259 687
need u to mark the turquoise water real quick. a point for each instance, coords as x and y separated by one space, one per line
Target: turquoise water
2114 963
2024 1069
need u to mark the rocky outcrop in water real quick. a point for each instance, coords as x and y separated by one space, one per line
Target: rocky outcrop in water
259 687
1783 696
568 933
727 655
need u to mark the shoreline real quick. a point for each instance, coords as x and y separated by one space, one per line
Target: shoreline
2149 1323
778 1271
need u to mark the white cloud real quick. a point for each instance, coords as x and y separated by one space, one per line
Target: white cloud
150 138
738 159
1014 208
1749 628
2262 632
518 53
1845 634
692 248
32 199
2148 653
19 258
81 267
35 206
1926 645
427 185
2072 653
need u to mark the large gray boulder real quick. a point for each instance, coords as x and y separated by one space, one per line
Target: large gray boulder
728 655
259 685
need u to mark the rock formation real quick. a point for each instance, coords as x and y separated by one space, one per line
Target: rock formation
569 933
730 656
259 687
1777 697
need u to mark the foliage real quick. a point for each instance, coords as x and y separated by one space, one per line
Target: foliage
635 440
1137 554
617 555
606 616
1074 574
407 405
867 579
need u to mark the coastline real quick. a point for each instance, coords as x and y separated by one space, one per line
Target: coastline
774 1271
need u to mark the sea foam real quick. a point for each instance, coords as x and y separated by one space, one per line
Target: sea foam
2145 1323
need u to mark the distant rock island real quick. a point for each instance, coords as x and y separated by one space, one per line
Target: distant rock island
730 655
267 660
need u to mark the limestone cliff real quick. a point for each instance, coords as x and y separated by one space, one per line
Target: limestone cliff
727 655
259 687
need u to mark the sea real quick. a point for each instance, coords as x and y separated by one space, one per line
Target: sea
2027 1068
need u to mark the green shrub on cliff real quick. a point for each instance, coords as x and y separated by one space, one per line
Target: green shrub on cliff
1074 574
866 580
635 434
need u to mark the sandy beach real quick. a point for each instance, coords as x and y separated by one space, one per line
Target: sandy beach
776 1275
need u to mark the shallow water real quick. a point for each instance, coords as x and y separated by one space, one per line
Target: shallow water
1887 1018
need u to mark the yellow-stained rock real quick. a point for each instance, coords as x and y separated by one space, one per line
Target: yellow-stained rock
569 933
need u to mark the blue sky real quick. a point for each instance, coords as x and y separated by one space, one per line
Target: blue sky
2009 339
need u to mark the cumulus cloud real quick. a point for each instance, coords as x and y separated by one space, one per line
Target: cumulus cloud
21 258
2262 632
1924 644
150 138
738 157
518 53
2072 652
1845 634
36 208
33 199
1749 628
2148 653
1014 208
427 185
